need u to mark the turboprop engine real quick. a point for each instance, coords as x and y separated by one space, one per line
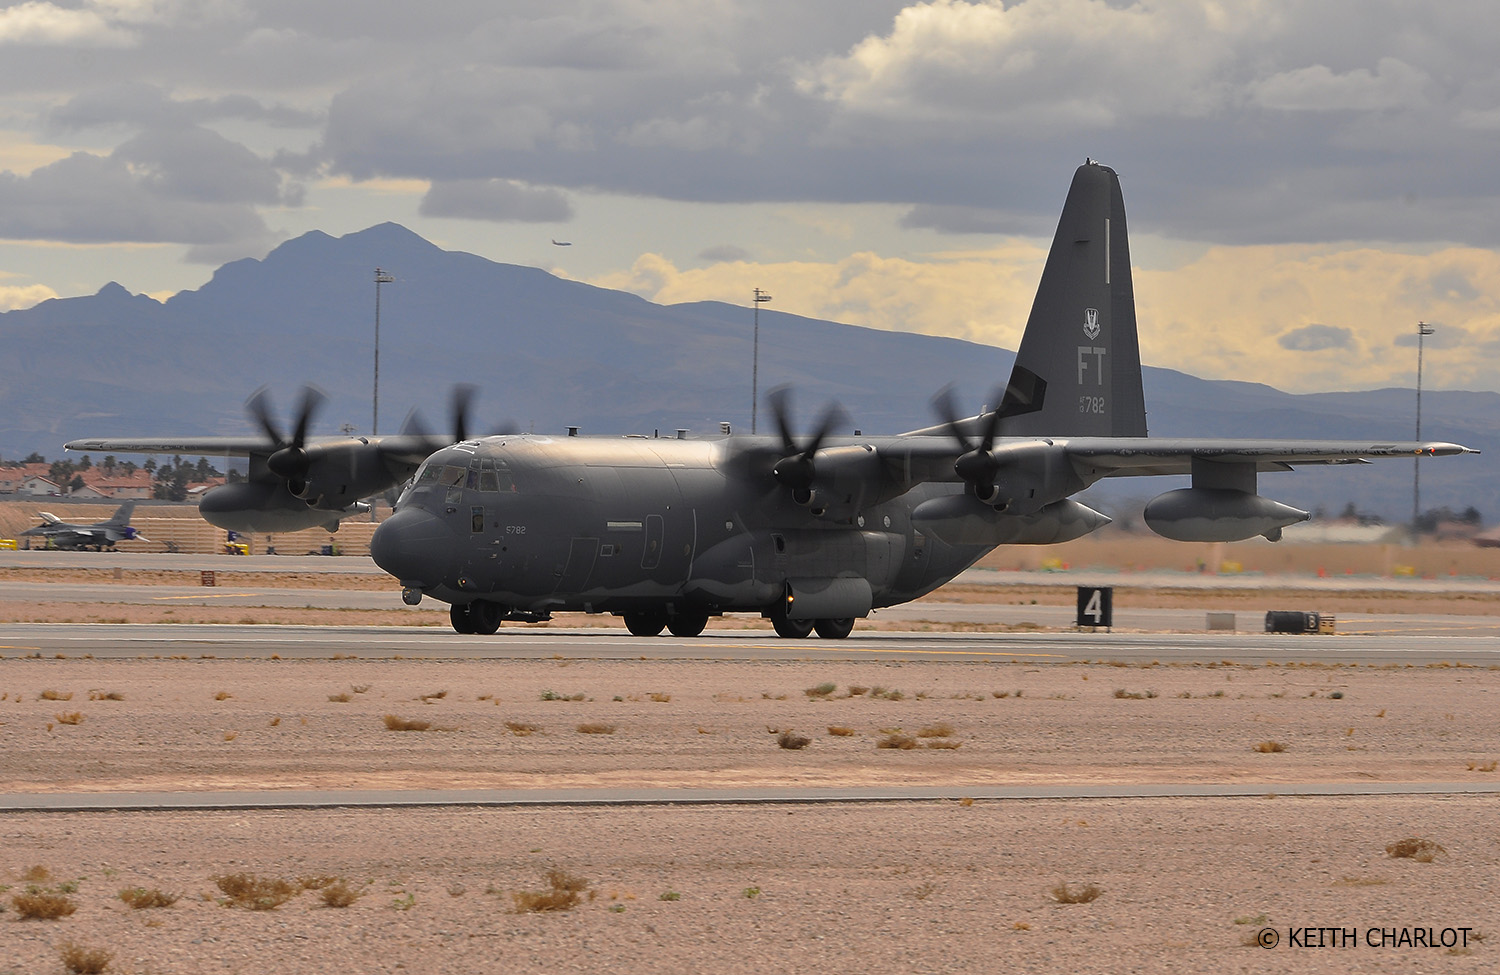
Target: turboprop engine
1218 515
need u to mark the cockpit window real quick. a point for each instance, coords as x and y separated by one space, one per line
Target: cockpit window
453 476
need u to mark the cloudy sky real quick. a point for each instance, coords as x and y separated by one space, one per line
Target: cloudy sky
1305 180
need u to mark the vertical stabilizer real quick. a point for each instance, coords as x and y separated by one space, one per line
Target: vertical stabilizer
122 514
1078 371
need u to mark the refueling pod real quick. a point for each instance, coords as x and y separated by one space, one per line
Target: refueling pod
1219 515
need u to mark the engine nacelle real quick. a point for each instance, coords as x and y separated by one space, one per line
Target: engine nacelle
962 519
1218 515
334 481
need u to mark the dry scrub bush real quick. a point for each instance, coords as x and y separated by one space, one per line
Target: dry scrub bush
840 731
434 696
903 742
35 904
51 695
660 697
564 892
522 728
106 696
140 898
255 893
596 728
343 697
69 717
317 881
944 743
1267 747
36 875
1063 894
1124 695
394 723
793 742
1415 848
84 961
824 689
1482 766
940 730
340 894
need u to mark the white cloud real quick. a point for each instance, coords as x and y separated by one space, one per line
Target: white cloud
13 297
1393 85
46 24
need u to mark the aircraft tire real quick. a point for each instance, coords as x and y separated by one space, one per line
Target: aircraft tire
687 624
792 629
459 615
645 624
485 617
835 629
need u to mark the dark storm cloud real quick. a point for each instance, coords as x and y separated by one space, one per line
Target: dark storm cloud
1316 338
1275 122
99 199
500 200
1233 126
141 104
723 254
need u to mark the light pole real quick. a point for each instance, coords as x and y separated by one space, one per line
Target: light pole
760 298
381 277
1423 330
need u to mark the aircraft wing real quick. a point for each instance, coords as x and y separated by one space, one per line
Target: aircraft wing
1125 456
919 458
217 446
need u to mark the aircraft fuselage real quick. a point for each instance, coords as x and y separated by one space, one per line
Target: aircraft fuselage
537 524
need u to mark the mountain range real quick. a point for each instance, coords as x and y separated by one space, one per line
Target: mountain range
547 353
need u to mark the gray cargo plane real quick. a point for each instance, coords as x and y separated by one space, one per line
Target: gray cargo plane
812 533
98 536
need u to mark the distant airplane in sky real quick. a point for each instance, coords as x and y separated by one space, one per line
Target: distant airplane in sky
98 536
562 243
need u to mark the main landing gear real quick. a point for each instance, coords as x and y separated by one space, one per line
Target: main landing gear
829 629
652 622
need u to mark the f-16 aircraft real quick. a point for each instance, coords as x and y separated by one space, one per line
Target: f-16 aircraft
811 532
98 536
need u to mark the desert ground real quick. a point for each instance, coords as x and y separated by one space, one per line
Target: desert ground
958 884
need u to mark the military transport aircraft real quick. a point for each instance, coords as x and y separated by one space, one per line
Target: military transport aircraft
812 533
98 536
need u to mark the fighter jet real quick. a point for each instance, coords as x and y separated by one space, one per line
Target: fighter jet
98 536
811 531
816 532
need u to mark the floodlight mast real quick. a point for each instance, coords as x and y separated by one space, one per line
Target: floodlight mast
381 277
1423 330
760 298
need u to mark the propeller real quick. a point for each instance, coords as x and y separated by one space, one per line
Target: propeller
976 465
796 469
459 406
289 460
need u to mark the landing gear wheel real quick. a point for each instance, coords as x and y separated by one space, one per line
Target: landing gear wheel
485 616
460 615
687 624
792 629
645 624
834 629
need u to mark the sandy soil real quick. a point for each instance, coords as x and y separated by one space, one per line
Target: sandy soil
911 887
932 886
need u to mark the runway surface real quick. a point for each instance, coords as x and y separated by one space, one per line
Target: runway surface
1475 647
437 798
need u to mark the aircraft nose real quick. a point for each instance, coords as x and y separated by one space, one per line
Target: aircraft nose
414 546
